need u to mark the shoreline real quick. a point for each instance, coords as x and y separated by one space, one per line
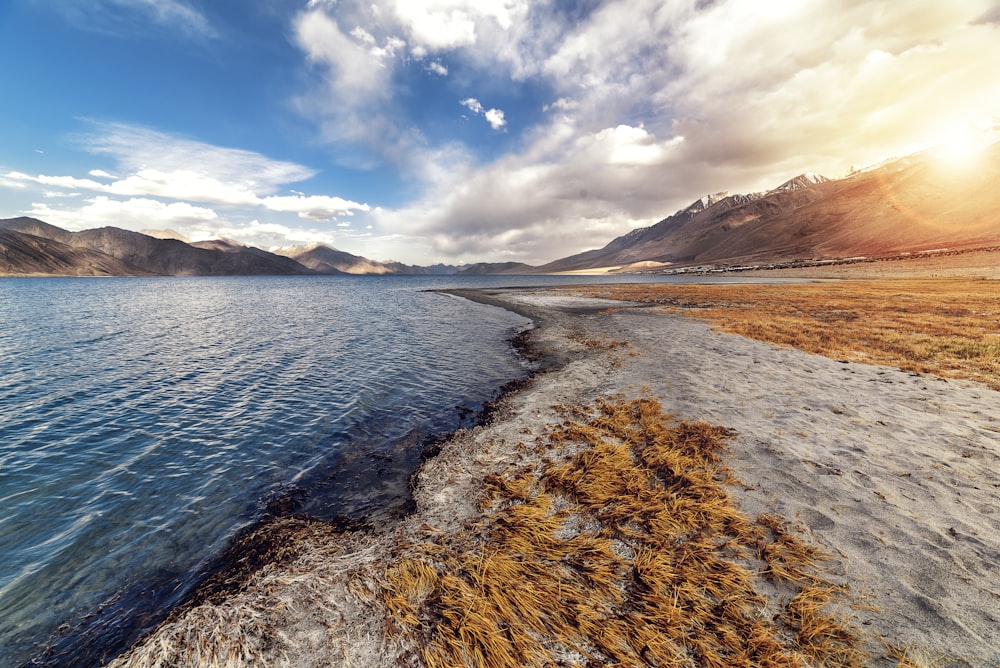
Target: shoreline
837 449
278 540
292 510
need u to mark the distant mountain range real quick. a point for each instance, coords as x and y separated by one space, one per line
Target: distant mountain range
30 247
323 259
911 205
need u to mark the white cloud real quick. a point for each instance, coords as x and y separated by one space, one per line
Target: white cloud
315 207
438 24
134 214
271 235
183 184
473 105
629 146
136 148
495 118
351 67
57 181
195 223
190 185
562 104
437 68
363 36
129 18
354 104
567 192
163 194
173 13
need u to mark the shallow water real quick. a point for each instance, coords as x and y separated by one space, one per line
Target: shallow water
144 421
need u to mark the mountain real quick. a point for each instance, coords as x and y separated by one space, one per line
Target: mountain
909 205
326 260
166 234
482 268
801 181
121 252
252 257
171 257
439 269
23 254
37 228
33 247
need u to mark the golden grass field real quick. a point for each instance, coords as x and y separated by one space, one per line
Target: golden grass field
946 327
623 548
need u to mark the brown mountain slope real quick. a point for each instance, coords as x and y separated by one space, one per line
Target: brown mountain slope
37 228
24 254
914 204
326 260
143 254
176 258
252 259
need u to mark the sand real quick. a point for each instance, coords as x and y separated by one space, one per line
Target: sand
896 474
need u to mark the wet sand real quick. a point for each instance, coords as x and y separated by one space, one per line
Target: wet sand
894 474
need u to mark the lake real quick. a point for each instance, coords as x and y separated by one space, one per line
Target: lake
145 421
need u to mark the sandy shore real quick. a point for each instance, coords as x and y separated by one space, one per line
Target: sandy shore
895 474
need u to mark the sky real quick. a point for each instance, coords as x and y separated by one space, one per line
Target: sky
428 131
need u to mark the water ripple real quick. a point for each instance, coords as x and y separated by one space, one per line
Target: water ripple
145 420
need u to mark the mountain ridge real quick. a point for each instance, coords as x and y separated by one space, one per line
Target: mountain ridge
328 260
31 247
908 205
902 206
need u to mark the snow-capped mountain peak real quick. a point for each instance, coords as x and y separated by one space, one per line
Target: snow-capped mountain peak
801 181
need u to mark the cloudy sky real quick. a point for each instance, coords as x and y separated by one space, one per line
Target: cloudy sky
448 130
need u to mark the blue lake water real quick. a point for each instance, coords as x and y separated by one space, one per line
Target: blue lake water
143 422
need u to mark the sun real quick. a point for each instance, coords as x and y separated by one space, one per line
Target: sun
962 145
958 145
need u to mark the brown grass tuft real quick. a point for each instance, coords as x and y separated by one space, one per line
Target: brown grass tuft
624 550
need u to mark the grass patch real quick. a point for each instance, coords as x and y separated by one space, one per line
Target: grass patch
946 327
624 548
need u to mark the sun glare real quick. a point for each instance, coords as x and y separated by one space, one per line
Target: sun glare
961 146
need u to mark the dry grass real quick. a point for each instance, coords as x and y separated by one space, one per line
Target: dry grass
624 549
599 344
946 327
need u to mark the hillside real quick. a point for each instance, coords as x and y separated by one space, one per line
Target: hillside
482 268
326 260
23 254
118 252
910 205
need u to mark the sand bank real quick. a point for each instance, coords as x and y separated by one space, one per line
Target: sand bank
895 474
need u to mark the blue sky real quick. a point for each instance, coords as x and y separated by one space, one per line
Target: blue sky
445 131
